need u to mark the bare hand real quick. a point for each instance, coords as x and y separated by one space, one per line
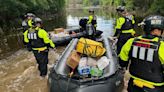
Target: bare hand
55 49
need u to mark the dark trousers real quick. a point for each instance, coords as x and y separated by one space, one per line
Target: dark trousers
122 39
133 88
42 60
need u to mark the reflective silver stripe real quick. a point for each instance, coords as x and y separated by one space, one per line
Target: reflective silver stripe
31 35
142 53
135 50
150 55
35 36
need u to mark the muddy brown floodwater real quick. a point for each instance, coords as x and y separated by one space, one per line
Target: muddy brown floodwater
18 73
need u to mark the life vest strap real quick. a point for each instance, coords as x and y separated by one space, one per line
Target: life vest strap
40 49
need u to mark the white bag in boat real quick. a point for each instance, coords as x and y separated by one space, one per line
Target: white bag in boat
103 62
83 62
91 61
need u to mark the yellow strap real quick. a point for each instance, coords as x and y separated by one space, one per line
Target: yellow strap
40 49
128 31
152 83
142 84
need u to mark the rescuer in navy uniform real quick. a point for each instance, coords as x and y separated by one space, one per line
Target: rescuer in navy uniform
27 22
124 28
39 41
147 58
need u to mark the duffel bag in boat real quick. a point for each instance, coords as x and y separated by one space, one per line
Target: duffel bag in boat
90 47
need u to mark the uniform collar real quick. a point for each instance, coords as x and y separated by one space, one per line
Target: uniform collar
37 28
150 37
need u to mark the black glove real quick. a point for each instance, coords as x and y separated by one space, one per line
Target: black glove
118 31
123 63
163 67
28 46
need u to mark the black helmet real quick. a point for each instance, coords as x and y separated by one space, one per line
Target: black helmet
153 22
91 10
37 20
120 9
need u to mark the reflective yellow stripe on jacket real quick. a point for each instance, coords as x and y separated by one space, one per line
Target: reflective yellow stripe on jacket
40 49
90 19
148 82
142 84
129 31
161 52
25 36
29 23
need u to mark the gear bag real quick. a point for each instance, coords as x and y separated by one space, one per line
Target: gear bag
90 47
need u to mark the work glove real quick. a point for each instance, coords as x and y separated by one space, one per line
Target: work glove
123 64
28 46
118 32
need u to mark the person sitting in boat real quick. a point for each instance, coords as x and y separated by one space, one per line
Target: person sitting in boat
146 55
92 24
124 28
39 41
92 19
83 23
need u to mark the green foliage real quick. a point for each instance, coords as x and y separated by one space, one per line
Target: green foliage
14 8
106 2
146 6
91 2
129 4
86 2
157 7
117 2
110 2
